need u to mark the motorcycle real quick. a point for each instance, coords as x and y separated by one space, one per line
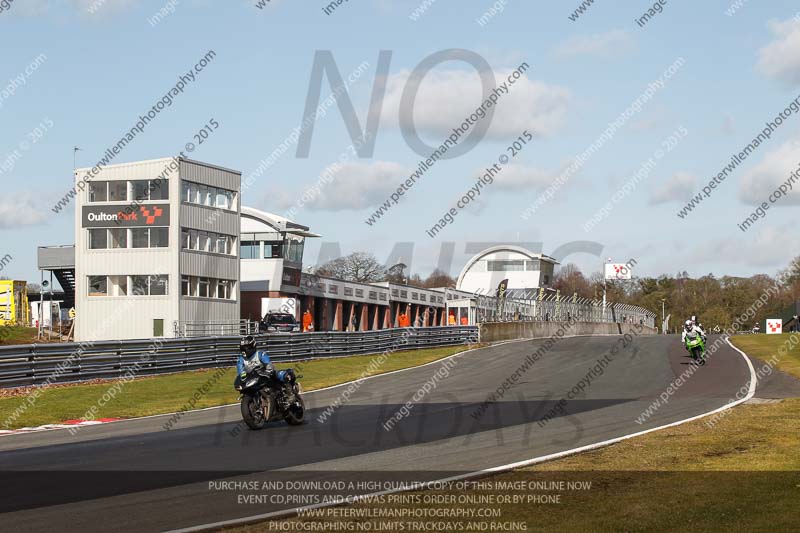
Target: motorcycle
696 345
267 394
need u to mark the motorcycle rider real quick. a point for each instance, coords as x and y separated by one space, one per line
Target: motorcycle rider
249 347
690 328
699 326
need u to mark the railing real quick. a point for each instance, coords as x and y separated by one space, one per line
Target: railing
31 364
550 307
208 329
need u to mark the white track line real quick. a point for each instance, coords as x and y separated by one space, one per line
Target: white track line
502 468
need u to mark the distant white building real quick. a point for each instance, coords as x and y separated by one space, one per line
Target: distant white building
524 270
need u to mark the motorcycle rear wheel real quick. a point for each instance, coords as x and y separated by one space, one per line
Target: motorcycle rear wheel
296 413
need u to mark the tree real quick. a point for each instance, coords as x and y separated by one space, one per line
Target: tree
359 266
569 280
437 279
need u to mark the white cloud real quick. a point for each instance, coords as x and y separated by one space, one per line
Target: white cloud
447 97
678 188
780 59
18 209
762 247
615 42
354 186
515 177
772 171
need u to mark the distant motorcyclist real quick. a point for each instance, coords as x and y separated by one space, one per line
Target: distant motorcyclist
697 324
691 329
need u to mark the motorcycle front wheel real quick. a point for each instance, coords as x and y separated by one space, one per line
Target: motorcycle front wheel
254 414
697 355
296 413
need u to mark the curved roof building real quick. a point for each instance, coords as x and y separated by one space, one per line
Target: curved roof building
525 270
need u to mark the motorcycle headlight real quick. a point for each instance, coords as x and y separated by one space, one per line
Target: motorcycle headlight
251 382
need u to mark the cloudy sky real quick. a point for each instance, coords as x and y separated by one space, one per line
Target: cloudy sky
100 64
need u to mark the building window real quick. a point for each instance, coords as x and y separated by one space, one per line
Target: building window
382 296
118 238
144 190
117 191
159 189
119 285
250 250
205 241
222 245
293 251
348 291
185 286
403 294
360 293
532 265
223 289
153 285
421 297
158 327
272 250
98 286
98 239
203 288
373 295
158 285
139 285
507 265
414 296
140 237
98 191
333 289
159 237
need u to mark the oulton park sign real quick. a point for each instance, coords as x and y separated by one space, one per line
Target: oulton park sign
111 216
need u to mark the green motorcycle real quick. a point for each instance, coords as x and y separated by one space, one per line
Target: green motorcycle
696 345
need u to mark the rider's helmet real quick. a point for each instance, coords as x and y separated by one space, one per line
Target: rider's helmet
248 345
688 325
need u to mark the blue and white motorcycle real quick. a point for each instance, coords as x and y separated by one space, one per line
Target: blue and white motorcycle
267 394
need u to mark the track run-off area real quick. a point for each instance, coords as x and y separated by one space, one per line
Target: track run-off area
137 476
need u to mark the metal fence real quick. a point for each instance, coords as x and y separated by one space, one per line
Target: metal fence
31 364
552 307
207 329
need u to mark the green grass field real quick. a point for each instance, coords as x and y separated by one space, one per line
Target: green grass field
170 393
17 335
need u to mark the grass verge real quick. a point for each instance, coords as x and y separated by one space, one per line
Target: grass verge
170 393
17 335
784 348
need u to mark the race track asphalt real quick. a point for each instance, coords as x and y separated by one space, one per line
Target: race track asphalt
136 476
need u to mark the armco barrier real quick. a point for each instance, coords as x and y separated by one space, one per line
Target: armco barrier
505 331
30 364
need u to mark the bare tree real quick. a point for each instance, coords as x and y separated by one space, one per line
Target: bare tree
439 279
358 266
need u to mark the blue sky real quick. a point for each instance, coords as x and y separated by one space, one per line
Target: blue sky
103 69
